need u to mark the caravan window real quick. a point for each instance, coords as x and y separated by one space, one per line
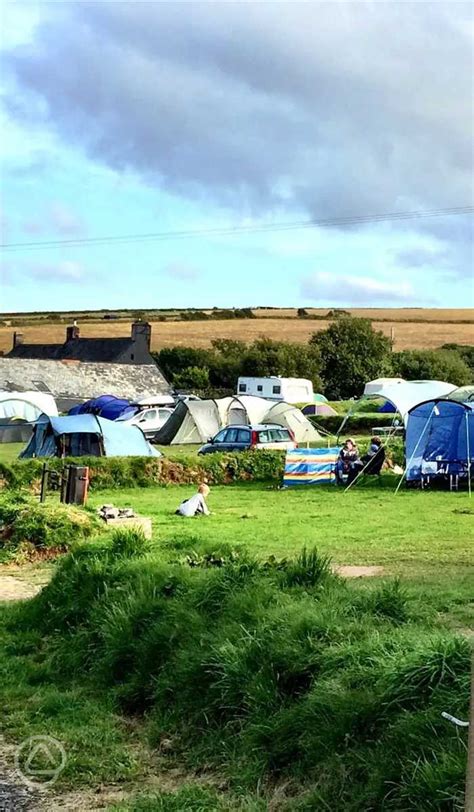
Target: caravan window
259 388
242 387
277 390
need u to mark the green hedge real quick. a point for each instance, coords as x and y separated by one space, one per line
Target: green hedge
356 424
124 472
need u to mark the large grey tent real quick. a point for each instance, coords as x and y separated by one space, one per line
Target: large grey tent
195 421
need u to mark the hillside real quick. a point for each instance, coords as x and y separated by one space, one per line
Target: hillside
410 328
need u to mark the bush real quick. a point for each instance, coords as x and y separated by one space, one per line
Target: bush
438 365
267 672
28 527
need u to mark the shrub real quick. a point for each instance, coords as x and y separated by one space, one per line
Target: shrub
28 527
438 365
127 472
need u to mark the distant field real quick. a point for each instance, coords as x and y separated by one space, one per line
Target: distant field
407 335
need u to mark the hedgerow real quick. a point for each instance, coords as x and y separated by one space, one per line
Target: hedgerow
125 472
270 673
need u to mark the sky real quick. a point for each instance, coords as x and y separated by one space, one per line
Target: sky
124 118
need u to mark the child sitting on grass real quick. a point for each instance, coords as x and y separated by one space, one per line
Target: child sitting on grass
196 504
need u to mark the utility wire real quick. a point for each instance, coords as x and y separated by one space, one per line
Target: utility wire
262 228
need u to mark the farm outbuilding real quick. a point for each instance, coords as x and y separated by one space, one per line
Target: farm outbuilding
86 435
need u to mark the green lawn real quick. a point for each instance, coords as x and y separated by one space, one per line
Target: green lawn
410 533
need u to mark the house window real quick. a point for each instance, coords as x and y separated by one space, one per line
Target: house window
277 390
259 388
242 387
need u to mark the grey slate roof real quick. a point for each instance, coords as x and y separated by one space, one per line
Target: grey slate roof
77 349
79 381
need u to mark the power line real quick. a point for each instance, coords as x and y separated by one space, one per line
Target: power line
262 228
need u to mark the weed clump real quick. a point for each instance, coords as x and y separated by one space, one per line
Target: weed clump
29 529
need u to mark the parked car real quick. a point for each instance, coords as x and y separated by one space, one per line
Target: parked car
243 438
149 420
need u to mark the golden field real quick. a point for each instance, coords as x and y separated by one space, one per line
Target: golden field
406 335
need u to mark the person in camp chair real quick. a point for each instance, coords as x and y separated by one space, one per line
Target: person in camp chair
195 505
373 460
348 463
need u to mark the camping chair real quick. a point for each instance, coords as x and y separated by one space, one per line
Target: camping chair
371 467
374 465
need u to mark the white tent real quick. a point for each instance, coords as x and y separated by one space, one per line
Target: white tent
26 405
288 416
247 410
407 394
195 421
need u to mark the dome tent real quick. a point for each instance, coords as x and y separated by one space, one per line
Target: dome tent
86 435
196 421
440 438
318 409
107 406
18 410
289 417
26 405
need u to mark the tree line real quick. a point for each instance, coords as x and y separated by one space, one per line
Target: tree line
339 361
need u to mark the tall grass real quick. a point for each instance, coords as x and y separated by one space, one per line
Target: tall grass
273 673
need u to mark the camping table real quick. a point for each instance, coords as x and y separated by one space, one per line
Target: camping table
451 469
384 431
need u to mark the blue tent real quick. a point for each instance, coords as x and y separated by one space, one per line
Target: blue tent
107 406
440 439
86 435
387 408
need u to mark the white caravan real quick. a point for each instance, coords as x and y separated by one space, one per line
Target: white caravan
291 390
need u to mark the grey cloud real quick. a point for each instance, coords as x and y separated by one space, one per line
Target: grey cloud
332 109
356 290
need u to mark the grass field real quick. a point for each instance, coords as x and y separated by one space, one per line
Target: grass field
406 335
425 538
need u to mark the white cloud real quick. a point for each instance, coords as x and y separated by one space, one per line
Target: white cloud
356 290
181 270
58 219
64 271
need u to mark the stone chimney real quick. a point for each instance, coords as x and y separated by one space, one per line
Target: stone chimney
141 333
17 339
72 332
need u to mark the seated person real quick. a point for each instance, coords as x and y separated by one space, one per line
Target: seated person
348 463
196 504
375 456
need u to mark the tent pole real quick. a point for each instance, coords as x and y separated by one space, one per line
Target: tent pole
414 451
468 456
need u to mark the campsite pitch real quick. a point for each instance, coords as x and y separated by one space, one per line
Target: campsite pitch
410 534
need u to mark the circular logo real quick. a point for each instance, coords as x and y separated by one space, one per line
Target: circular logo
40 759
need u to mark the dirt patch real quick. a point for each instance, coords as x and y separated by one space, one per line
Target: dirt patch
350 571
15 589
